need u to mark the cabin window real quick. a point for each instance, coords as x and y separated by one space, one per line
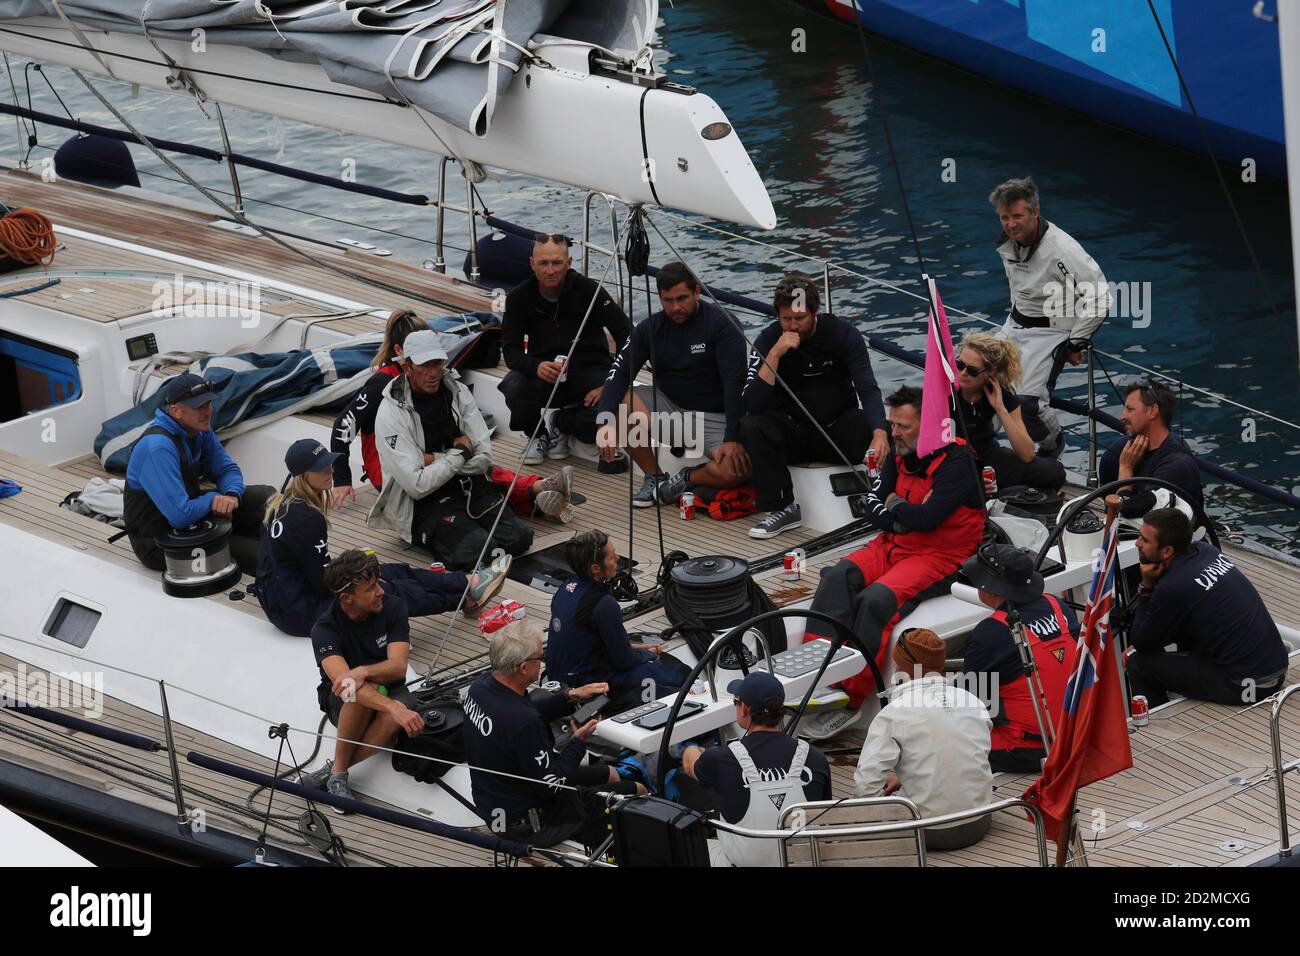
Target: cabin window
71 622
34 376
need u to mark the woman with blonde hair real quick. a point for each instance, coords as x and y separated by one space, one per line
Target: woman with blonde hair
988 368
530 493
295 552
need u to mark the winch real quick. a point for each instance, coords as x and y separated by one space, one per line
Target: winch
198 559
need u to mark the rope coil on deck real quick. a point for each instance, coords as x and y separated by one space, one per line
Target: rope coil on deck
28 237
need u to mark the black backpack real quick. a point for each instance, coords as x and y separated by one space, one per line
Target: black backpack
442 738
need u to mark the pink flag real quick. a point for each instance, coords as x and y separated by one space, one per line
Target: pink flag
937 428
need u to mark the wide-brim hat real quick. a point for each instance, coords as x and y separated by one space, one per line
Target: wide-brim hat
1005 570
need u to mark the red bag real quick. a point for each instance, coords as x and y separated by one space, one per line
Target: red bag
732 503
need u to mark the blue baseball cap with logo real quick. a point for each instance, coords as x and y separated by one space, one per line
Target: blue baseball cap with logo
759 690
307 454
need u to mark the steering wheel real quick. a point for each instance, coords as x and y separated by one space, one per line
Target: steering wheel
1199 520
843 635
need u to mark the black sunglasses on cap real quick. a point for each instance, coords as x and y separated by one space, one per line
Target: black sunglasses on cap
552 237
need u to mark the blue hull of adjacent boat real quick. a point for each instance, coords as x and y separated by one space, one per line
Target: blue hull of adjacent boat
1106 58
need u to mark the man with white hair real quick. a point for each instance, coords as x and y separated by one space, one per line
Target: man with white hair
523 787
1059 298
435 450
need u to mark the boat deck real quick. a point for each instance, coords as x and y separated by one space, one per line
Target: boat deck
1196 788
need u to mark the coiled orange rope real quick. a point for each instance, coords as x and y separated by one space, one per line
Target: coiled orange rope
27 236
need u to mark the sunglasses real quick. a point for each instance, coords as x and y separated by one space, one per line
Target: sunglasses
202 388
369 574
552 237
975 372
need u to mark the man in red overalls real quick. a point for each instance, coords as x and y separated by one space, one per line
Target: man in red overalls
931 513
1006 580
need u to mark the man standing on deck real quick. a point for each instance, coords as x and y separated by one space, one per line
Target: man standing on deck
1059 298
542 317
698 355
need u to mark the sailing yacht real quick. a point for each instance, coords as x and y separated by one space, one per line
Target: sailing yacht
160 721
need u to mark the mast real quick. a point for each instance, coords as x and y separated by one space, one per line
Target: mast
1288 29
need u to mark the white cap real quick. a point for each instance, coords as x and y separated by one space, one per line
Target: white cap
424 346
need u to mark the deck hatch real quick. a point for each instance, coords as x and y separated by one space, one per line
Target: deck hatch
71 622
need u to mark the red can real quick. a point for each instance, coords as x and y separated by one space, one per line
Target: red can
438 567
686 504
872 460
792 564
990 481
1141 711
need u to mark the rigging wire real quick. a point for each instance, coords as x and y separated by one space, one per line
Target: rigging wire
505 499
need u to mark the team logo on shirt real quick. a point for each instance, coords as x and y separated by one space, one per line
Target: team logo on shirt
571 586
699 348
777 799
1059 654
392 440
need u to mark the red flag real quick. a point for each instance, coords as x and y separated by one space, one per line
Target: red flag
936 397
1092 731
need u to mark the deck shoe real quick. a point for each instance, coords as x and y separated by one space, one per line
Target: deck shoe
646 496
317 779
337 786
774 522
559 445
676 486
537 449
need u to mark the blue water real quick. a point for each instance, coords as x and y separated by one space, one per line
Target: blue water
1147 213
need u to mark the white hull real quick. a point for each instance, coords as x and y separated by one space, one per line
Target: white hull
564 125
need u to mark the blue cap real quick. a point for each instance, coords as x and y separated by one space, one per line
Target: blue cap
759 690
189 389
307 454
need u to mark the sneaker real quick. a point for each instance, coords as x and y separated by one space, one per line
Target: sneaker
317 779
561 482
559 445
828 723
647 495
774 522
615 467
551 504
487 581
676 486
537 448
337 786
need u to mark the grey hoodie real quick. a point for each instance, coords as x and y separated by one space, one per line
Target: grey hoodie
399 439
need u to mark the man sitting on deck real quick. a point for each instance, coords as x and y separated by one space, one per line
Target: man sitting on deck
1151 451
362 643
698 356
167 464
1192 595
542 317
825 364
931 511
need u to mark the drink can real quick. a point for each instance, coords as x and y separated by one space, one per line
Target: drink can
687 506
563 361
1141 711
792 565
438 567
990 481
872 462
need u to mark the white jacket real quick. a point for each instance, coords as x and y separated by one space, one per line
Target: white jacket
399 439
1056 279
935 737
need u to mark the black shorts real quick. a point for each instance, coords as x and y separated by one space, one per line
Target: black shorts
331 704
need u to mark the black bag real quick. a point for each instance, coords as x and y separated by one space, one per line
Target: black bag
481 496
442 738
651 831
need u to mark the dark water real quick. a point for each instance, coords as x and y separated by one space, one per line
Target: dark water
1147 213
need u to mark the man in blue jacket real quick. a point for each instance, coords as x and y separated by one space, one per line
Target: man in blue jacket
168 463
824 365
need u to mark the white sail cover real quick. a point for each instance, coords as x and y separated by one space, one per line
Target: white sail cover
453 58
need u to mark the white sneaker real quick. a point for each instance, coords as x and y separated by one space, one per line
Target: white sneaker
559 445
828 723
537 448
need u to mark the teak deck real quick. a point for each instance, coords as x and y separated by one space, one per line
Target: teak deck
1180 790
